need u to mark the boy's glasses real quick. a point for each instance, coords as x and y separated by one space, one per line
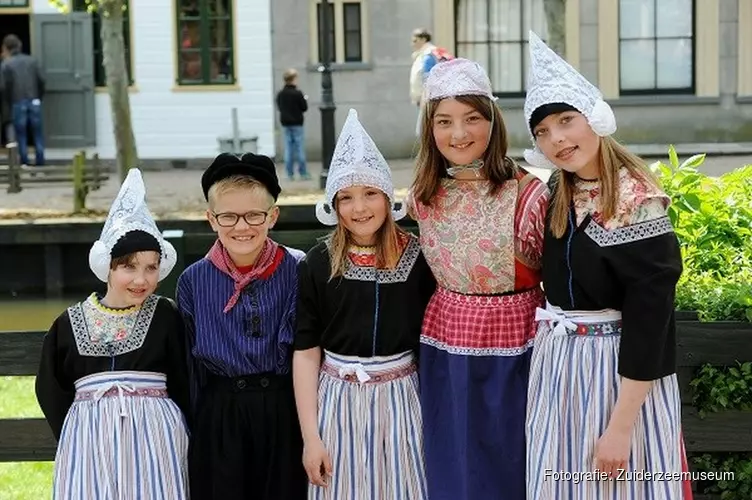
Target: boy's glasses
230 219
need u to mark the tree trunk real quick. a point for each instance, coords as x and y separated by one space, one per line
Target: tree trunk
113 51
556 21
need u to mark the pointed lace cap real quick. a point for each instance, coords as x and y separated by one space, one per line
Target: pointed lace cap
457 77
356 161
129 213
551 79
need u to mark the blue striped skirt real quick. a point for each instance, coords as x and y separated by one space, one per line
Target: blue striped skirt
370 423
123 438
573 388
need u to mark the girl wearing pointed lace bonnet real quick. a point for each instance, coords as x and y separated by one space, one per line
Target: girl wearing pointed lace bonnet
362 294
603 388
113 375
481 229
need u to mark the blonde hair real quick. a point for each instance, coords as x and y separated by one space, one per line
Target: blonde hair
612 156
290 75
233 183
431 166
388 251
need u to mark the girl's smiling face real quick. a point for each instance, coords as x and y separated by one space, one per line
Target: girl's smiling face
362 210
569 142
460 131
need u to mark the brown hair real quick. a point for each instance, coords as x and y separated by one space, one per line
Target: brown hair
124 260
422 33
431 166
388 251
612 156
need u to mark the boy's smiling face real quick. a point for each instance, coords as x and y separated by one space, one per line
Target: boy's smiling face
243 241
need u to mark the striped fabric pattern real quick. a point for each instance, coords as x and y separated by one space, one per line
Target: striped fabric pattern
116 444
372 430
573 388
256 335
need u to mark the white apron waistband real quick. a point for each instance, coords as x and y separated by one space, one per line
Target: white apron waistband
121 384
562 320
376 368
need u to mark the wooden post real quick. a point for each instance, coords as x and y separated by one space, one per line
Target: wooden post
14 170
79 186
96 172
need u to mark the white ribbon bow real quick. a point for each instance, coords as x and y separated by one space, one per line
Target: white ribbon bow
560 321
121 388
356 369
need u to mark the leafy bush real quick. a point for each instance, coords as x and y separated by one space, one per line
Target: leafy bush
740 464
723 388
712 218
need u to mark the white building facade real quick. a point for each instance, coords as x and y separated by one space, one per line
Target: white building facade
190 63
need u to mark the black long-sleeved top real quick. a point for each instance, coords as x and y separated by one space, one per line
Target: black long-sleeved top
366 312
633 269
291 104
69 354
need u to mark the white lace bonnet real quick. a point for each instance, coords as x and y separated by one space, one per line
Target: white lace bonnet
457 77
129 213
553 80
356 161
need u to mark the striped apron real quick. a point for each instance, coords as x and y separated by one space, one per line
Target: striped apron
123 438
573 388
370 423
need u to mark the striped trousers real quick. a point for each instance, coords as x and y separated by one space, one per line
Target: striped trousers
122 439
370 423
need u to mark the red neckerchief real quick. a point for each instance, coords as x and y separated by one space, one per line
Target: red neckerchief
271 255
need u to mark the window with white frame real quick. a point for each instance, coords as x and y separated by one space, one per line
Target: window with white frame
345 37
495 34
656 46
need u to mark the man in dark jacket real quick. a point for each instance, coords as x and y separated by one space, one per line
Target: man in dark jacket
292 104
23 87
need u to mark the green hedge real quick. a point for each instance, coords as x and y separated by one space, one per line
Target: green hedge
712 218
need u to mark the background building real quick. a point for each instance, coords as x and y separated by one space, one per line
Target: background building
190 63
675 71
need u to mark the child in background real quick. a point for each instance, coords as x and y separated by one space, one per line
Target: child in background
113 378
362 295
239 307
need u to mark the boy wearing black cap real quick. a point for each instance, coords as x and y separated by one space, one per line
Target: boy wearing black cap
239 307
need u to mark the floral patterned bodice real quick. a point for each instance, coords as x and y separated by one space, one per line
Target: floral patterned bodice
638 201
483 244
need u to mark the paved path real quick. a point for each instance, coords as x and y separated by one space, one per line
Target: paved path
175 193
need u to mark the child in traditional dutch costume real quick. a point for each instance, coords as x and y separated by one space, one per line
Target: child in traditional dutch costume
239 307
481 229
603 391
363 292
113 378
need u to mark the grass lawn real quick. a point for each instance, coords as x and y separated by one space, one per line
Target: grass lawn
30 480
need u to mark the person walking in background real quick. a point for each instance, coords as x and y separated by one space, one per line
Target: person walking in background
292 104
23 87
425 56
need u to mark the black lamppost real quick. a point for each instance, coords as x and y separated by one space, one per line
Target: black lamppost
327 106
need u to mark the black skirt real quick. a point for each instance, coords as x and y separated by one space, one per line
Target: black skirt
246 441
